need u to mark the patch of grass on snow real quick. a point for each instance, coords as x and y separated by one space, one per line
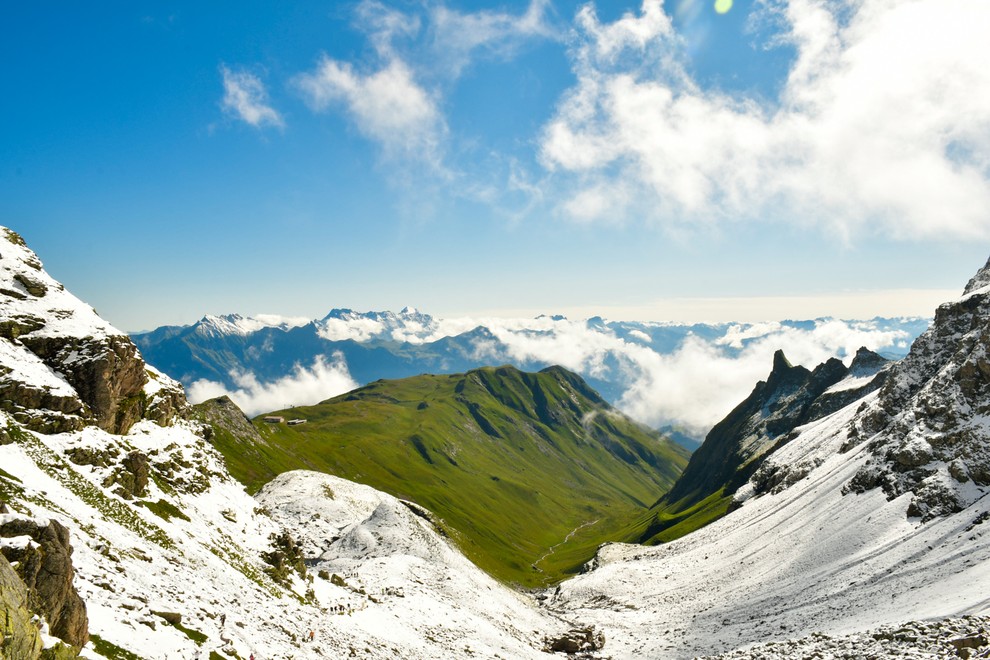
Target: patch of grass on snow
63 472
111 651
163 509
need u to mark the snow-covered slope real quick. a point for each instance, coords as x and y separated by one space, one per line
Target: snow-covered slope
404 584
806 559
877 515
381 581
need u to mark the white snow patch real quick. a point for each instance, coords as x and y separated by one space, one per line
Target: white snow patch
422 594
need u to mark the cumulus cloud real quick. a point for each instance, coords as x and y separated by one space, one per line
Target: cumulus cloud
245 98
302 387
397 99
883 123
388 105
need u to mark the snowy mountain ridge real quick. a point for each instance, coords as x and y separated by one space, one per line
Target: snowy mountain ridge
877 514
235 324
928 428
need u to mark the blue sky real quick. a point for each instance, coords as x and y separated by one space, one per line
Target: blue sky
787 158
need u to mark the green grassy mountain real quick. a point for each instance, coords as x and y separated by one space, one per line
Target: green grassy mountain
529 472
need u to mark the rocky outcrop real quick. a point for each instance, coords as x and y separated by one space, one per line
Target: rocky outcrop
45 567
221 415
62 365
24 401
927 431
131 477
108 374
164 400
575 641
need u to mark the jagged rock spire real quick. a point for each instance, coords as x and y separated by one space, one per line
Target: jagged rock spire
980 280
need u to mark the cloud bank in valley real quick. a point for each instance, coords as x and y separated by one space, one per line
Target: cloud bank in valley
698 382
690 376
303 386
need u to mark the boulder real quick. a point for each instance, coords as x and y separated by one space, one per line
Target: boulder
576 640
47 573
172 618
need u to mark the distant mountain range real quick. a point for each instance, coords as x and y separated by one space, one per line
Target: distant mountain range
685 376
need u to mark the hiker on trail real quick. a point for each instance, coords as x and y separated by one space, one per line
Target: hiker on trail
311 635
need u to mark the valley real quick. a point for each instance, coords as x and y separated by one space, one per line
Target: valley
514 464
837 509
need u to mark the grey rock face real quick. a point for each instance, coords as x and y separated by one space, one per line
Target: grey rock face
47 573
108 374
19 637
927 431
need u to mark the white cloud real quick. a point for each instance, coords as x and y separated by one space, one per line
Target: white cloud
245 97
279 321
883 124
385 26
397 100
302 387
387 105
457 35
640 335
357 329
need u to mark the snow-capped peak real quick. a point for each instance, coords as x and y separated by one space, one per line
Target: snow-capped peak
236 324
408 325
